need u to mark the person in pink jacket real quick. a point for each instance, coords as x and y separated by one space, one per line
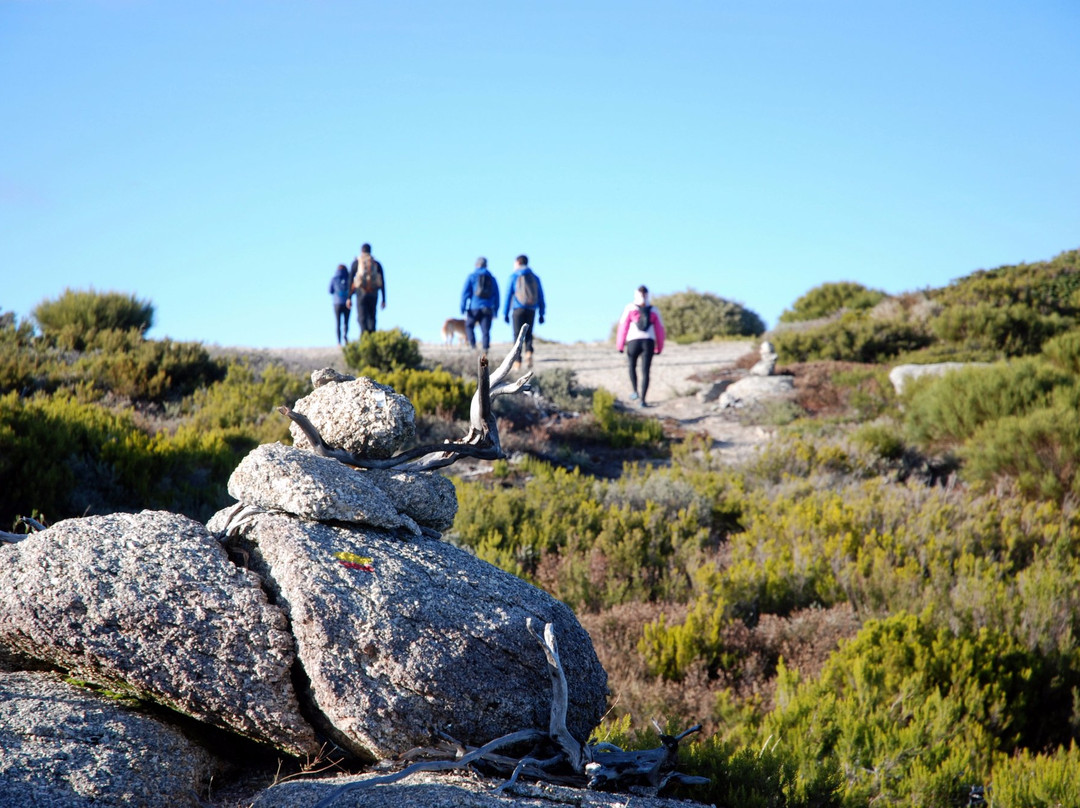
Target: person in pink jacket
640 333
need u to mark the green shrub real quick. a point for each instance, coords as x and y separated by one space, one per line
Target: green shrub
18 363
947 411
1015 330
1039 450
692 316
76 318
830 298
149 370
881 439
622 430
557 532
1046 287
432 392
851 338
914 714
1036 780
560 387
1063 352
64 458
247 403
384 350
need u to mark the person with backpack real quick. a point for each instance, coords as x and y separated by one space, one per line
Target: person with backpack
367 282
479 303
341 289
525 297
640 334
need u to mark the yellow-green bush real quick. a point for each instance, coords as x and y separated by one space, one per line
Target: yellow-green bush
64 458
432 392
76 318
693 316
914 714
557 532
829 298
622 430
851 338
246 402
947 411
1035 779
149 370
384 350
994 330
1039 451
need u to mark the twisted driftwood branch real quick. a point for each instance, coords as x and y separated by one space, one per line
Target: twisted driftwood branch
481 441
600 766
12 538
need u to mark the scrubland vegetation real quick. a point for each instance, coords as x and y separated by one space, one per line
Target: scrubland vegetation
882 607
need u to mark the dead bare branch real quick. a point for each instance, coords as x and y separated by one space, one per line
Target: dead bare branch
605 765
520 736
481 441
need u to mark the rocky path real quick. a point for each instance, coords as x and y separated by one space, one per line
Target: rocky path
597 364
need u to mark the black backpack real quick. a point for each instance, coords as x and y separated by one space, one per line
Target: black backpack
483 286
527 290
644 317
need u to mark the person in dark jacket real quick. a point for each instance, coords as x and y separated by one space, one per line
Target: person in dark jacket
480 303
367 282
525 297
340 288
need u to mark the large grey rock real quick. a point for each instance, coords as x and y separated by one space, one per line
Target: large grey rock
359 415
425 496
62 746
152 600
455 790
711 392
755 389
284 478
431 639
901 374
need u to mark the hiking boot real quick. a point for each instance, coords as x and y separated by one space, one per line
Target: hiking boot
634 396
528 359
515 367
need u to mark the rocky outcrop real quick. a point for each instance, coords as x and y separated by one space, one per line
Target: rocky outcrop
457 790
283 478
901 374
62 746
322 607
407 637
151 600
358 415
751 390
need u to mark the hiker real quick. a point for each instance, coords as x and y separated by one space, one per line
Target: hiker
367 281
479 303
525 296
341 289
640 333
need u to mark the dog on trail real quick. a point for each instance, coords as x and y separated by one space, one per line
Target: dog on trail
453 328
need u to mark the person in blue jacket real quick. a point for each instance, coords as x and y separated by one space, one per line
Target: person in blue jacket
340 289
525 298
480 303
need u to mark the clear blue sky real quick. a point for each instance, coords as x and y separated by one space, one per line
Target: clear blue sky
219 159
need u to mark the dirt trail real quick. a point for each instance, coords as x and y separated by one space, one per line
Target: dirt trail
597 364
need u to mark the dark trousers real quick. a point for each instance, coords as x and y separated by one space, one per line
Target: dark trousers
643 348
520 317
365 312
479 317
341 320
